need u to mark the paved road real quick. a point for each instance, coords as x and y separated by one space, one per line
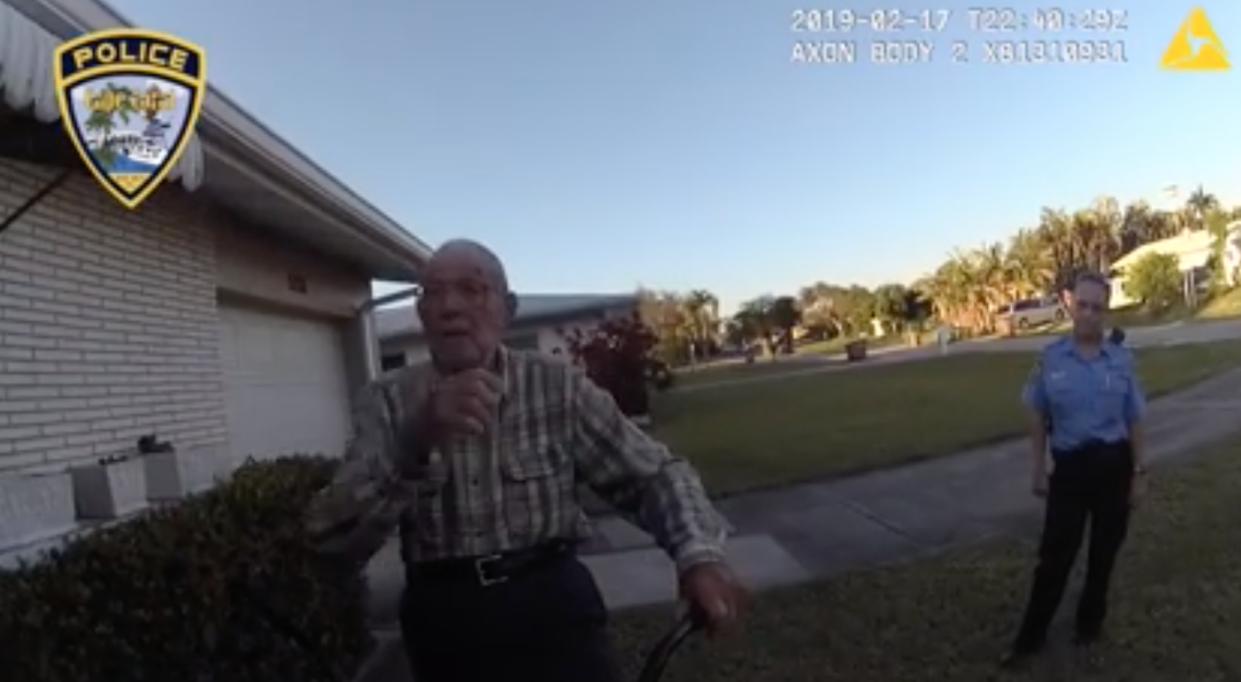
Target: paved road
1167 334
1162 335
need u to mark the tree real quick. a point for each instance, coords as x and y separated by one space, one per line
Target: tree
1156 280
967 290
1198 205
785 316
753 321
682 323
892 305
702 321
616 356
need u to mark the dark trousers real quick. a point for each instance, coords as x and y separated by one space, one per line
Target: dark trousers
1089 485
549 625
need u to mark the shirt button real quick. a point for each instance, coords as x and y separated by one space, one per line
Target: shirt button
474 482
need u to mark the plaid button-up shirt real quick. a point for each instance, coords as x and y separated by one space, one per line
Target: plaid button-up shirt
515 487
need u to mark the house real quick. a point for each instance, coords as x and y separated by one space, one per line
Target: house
542 322
229 314
1193 250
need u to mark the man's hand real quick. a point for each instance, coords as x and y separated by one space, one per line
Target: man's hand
1039 483
1138 489
465 404
714 593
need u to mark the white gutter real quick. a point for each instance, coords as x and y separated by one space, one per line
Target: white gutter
26 79
227 123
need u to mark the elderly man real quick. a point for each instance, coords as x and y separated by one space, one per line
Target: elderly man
1086 386
479 453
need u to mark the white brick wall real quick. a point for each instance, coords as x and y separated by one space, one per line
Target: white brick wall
108 323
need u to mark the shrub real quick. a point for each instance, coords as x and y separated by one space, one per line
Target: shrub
1156 280
615 355
156 598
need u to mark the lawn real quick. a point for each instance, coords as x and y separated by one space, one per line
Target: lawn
1224 305
1176 612
768 433
807 355
729 370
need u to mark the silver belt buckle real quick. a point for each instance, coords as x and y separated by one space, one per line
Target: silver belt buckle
485 578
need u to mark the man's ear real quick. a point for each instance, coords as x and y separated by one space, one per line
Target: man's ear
510 305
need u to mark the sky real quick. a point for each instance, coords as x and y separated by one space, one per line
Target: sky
598 146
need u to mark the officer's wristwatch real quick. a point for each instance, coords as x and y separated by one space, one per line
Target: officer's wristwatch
1139 470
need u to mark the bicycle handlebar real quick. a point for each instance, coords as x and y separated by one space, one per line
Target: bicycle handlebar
657 660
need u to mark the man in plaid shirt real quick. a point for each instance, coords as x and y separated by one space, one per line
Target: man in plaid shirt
477 455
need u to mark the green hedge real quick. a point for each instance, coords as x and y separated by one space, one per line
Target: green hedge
157 599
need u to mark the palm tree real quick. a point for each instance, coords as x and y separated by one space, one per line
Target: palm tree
701 319
1028 264
115 101
100 125
1198 205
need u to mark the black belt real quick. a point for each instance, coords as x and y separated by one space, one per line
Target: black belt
1095 448
485 571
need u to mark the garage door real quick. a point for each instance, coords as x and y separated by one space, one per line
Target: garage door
285 387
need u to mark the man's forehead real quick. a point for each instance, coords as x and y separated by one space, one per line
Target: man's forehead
1090 290
463 259
454 267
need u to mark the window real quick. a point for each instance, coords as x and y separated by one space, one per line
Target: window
523 342
390 362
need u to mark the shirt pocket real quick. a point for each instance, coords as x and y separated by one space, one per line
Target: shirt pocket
539 490
1069 398
1116 387
535 460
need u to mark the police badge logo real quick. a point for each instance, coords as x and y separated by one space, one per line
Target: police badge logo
129 100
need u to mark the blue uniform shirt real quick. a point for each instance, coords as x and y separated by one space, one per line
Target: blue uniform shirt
1085 399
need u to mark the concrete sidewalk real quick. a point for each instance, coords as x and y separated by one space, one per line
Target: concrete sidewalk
822 529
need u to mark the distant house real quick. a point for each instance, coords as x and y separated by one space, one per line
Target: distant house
542 322
1193 251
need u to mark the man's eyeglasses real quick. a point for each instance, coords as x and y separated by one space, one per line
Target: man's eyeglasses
1090 306
471 294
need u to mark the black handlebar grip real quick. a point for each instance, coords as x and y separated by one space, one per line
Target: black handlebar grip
667 646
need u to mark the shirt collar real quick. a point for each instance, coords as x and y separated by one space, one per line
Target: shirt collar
1067 347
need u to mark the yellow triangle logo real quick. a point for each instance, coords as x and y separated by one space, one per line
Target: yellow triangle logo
1195 47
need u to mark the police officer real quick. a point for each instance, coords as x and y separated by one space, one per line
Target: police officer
1086 386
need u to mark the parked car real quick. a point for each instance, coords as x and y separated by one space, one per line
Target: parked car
1032 312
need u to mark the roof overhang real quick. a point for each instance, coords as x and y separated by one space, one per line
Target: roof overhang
235 161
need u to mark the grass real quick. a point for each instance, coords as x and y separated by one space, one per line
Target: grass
764 434
1227 304
736 368
1176 611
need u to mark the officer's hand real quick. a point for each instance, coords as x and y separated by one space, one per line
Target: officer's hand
1039 484
465 404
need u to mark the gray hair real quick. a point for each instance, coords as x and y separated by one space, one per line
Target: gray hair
493 268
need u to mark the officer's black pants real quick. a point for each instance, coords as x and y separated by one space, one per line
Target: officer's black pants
550 625
1088 486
